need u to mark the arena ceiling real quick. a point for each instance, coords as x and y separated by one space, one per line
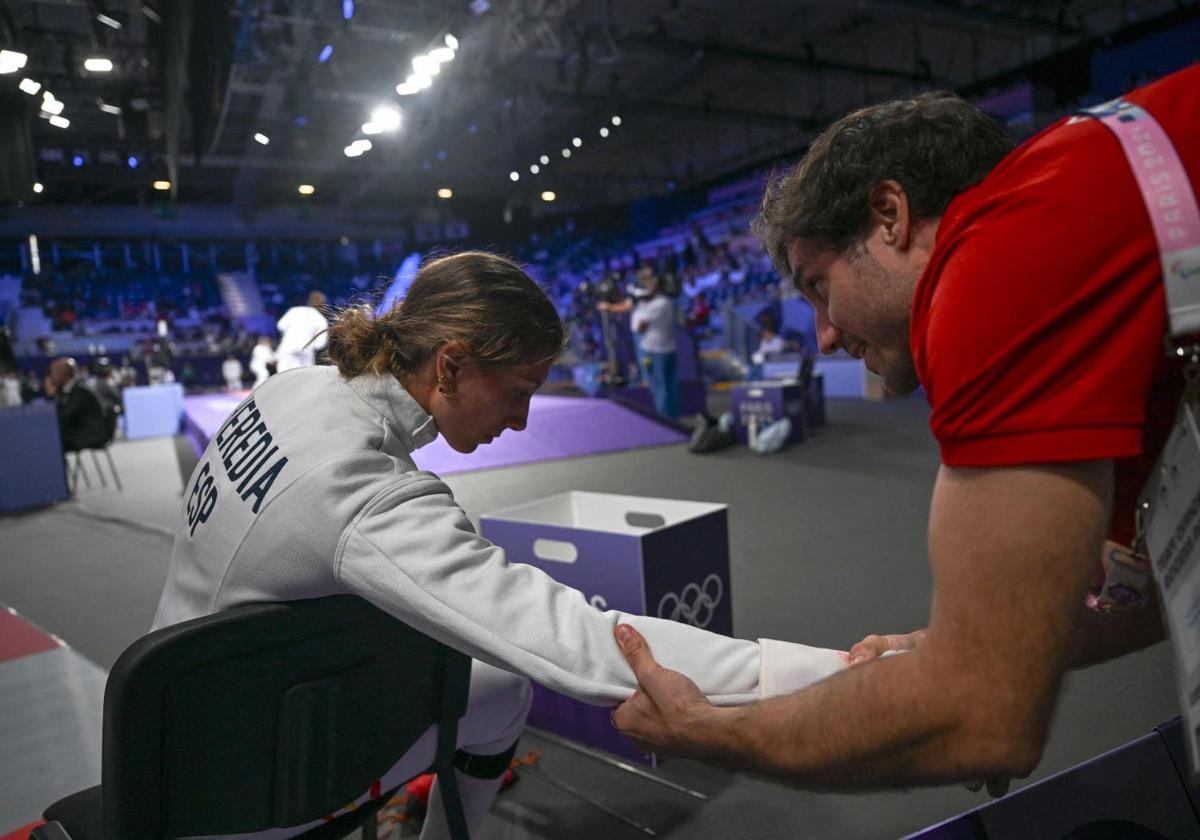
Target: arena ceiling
701 89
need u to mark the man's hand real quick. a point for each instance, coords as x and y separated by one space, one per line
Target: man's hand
661 715
875 646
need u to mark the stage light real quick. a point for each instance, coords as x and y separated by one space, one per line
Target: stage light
445 192
424 65
364 144
132 161
545 159
150 14
353 151
535 169
51 105
60 122
37 188
261 138
576 142
98 65
347 9
548 196
421 80
566 153
514 175
604 131
407 88
77 161
109 22
326 53
386 118
372 128
11 61
441 54
162 186
30 86
616 120
451 42
109 109
306 189
35 256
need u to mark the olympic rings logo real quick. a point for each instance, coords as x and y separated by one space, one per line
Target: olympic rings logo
696 605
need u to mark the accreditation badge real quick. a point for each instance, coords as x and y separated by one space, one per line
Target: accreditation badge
1169 523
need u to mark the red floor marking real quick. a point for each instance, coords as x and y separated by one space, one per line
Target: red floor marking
19 638
22 833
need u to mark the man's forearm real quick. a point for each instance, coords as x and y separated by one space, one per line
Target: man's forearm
1102 636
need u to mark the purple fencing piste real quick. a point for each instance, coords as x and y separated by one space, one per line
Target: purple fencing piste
658 557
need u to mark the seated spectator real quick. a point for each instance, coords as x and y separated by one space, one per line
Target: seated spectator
81 421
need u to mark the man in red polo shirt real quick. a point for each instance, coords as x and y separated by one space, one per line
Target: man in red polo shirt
1023 289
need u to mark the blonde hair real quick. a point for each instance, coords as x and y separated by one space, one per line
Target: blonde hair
481 299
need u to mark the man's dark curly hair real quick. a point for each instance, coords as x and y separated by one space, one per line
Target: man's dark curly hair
934 145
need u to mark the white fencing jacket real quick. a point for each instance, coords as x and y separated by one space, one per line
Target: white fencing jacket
309 489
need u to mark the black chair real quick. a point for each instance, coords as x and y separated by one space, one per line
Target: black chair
266 715
110 432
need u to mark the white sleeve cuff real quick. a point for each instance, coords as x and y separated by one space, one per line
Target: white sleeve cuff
785 667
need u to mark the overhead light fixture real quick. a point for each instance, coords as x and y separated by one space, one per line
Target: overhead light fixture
78 161
441 54
566 153
604 131
445 192
150 14
11 61
37 188
347 9
107 21
548 196
261 138
576 142
421 80
162 186
372 128
451 42
616 120
132 161
545 159
480 7
326 53
60 122
51 105
424 65
385 118
98 65
514 175
407 88
353 151
109 109
30 86
364 144
306 189
535 169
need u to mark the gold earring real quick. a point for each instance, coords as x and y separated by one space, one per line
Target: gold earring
441 386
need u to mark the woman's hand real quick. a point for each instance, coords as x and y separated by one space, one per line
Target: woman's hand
875 646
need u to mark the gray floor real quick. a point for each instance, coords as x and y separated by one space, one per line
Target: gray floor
828 544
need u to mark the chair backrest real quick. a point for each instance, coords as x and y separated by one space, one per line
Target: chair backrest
268 715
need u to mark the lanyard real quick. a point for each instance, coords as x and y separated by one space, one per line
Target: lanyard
1170 202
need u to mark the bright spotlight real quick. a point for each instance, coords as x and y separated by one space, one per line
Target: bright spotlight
111 23
162 186
576 142
30 86
387 118
51 105
424 65
407 88
347 9
372 128
132 161
451 41
421 80
306 189
514 175
110 109
60 122
604 131
363 144
445 192
566 153
616 120
353 150
535 169
37 188
545 159
548 196
261 138
78 161
12 61
326 53
441 54
98 65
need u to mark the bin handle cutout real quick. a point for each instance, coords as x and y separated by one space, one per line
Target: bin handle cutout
644 520
556 551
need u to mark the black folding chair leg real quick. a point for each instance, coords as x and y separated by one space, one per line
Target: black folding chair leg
113 467
99 472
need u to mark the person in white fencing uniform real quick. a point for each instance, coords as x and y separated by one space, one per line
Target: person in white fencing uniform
301 334
261 356
309 489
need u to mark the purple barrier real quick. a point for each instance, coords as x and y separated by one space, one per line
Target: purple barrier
644 556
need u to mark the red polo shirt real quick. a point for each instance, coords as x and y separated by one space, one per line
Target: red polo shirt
1038 324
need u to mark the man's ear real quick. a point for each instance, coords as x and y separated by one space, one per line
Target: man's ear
887 204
